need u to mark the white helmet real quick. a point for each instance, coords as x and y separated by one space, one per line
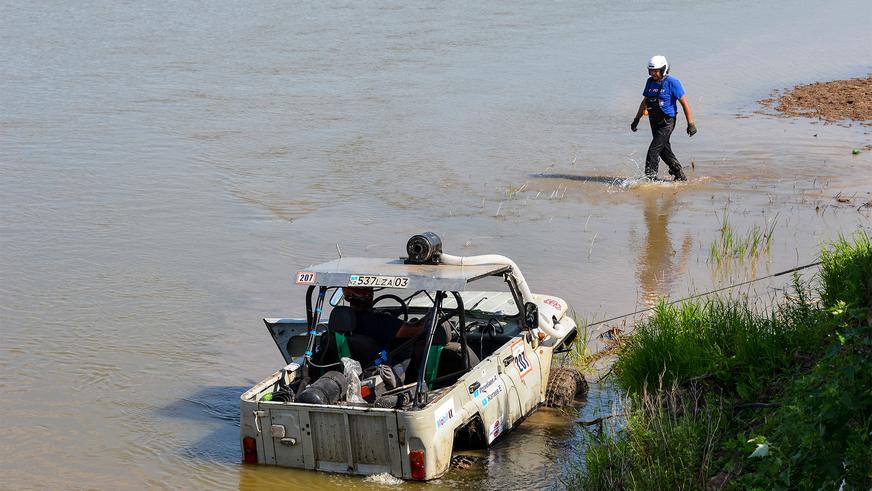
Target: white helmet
659 61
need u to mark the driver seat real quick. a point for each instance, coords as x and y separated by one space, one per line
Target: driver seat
446 357
340 340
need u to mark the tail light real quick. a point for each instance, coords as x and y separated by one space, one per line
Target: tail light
249 450
416 460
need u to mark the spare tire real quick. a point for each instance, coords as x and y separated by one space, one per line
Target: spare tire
564 386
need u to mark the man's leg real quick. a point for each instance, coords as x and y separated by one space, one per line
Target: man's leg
669 157
652 160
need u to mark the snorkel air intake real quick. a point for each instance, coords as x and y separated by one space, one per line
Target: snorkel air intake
424 248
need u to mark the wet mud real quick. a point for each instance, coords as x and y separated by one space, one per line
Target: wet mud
837 100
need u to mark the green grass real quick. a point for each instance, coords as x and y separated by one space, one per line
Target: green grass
580 355
719 341
846 277
720 396
732 245
666 435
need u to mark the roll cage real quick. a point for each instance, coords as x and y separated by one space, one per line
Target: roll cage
316 294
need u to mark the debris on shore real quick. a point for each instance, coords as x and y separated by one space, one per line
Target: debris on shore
834 101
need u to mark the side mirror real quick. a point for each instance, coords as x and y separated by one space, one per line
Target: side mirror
531 315
336 298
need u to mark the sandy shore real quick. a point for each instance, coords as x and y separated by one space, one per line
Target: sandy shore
834 101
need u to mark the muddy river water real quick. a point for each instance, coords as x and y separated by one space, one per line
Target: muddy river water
165 169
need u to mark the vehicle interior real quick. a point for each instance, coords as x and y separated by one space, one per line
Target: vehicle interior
462 337
486 329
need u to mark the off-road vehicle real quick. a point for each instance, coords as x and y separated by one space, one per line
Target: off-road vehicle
478 368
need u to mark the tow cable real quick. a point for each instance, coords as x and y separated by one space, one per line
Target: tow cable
735 285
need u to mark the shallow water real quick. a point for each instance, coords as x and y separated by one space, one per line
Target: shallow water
165 170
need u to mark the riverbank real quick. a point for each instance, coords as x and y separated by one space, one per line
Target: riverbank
723 396
837 100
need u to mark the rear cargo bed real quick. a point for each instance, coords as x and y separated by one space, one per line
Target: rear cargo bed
345 439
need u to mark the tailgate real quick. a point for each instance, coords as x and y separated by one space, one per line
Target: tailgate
333 439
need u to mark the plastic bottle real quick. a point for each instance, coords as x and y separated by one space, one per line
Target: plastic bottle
352 371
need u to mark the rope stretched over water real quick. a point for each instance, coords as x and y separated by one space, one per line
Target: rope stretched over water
791 270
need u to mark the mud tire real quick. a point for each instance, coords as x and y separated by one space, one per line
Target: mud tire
564 386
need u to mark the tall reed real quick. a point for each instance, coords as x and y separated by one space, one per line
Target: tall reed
731 245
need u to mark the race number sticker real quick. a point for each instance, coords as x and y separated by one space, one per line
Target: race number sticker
305 278
378 281
519 353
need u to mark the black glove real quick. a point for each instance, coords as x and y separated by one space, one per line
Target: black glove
691 129
634 124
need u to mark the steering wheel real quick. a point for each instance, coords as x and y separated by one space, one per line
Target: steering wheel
447 316
398 300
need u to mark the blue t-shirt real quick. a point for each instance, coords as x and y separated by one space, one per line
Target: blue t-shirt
664 94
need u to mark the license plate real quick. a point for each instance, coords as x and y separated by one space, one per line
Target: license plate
379 281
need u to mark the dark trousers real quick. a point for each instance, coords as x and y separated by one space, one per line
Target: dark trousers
661 129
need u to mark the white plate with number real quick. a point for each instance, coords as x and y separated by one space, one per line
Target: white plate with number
306 278
378 281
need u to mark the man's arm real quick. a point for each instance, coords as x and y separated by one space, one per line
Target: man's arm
688 115
409 330
639 114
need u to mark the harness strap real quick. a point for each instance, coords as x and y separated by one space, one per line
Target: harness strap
342 345
433 363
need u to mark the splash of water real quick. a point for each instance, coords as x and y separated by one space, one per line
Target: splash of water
384 479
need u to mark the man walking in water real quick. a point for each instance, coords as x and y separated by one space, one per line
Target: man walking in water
659 97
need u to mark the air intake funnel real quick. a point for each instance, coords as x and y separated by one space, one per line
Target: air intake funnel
424 249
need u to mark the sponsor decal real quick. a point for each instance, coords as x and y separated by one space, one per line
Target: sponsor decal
444 413
553 302
522 363
305 278
495 430
489 390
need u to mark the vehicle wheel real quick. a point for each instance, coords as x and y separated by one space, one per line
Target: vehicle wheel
564 385
470 436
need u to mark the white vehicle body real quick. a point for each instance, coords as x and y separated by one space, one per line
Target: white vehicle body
488 398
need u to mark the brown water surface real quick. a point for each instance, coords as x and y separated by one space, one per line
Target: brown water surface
165 169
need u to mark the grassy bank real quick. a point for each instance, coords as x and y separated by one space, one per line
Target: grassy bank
721 396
